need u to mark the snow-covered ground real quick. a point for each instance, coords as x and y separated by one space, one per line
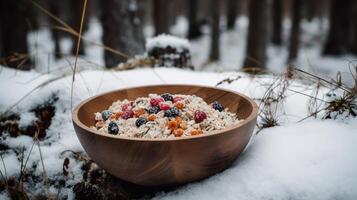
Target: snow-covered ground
312 159
307 160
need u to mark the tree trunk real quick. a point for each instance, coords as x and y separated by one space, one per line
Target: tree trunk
295 29
232 11
277 22
122 29
257 33
194 30
14 29
161 12
337 43
54 8
353 30
75 22
215 33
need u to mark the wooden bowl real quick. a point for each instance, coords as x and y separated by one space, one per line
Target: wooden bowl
165 162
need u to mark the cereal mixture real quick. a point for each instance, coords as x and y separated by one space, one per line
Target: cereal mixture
163 116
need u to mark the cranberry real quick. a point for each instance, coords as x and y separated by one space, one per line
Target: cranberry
199 116
177 98
156 101
164 106
127 114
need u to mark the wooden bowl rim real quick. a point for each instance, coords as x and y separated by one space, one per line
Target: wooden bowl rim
251 116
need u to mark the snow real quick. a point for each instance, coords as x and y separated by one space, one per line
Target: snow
165 40
313 159
310 160
306 160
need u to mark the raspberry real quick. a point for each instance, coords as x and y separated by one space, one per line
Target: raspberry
113 128
164 106
156 101
177 99
168 97
127 114
106 114
126 107
199 116
217 106
140 121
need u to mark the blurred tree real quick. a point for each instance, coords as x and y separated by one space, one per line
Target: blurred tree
232 11
122 29
76 7
215 32
297 6
353 30
161 14
257 33
14 29
54 8
337 42
194 29
277 22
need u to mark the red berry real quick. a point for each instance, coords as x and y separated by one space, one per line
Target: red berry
177 98
127 114
164 106
126 107
156 101
199 116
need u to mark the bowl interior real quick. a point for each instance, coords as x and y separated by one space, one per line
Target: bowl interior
234 101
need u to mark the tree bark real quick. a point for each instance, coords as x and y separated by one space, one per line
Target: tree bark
257 33
295 29
337 43
215 32
122 29
161 12
232 11
14 29
194 30
277 22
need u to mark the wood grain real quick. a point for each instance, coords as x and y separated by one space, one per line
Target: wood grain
166 162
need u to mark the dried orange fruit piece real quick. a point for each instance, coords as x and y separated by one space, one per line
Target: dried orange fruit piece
172 125
117 115
151 117
196 132
139 112
180 105
178 120
178 132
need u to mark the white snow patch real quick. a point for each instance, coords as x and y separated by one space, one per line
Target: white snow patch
165 40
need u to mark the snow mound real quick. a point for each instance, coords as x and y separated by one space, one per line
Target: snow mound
165 40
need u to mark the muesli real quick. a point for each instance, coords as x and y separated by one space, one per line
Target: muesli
164 116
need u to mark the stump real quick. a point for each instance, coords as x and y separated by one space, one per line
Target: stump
169 51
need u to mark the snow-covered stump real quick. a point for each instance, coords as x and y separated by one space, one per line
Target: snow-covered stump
169 51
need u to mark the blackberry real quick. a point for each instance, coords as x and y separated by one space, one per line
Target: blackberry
168 97
217 106
172 112
153 110
106 114
113 128
140 121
